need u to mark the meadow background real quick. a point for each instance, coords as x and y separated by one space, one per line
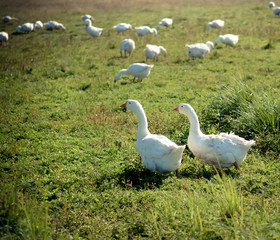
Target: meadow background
69 168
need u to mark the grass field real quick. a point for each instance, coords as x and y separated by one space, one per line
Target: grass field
69 167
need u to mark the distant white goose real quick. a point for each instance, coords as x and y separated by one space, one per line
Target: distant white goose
271 4
276 11
137 70
216 24
228 39
152 51
8 19
87 16
52 25
127 46
199 49
93 31
39 25
223 150
121 27
157 151
4 37
26 28
143 30
167 22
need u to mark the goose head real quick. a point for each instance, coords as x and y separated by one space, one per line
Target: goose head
87 22
87 16
163 51
131 105
118 76
18 29
220 38
60 26
154 31
184 108
210 45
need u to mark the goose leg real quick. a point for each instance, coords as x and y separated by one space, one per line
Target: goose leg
236 165
177 172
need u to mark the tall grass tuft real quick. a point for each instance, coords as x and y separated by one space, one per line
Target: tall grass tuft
229 198
22 218
250 115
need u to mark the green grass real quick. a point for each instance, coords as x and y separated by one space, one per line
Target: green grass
69 167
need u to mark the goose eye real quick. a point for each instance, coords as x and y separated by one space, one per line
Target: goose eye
181 106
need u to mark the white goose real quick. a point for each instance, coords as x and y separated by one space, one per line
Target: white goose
38 25
4 37
228 39
152 51
199 49
8 19
167 22
87 16
276 11
52 25
127 46
157 151
143 30
223 150
93 31
137 70
216 24
26 28
121 27
271 4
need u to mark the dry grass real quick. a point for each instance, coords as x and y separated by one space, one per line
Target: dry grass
20 7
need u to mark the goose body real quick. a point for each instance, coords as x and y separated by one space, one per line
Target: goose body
228 39
93 31
271 4
167 22
53 25
121 27
4 37
157 151
225 149
199 49
152 51
137 70
26 28
276 11
216 24
127 46
143 30
87 16
7 19
38 25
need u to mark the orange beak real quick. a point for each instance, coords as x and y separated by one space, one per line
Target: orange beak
123 105
175 109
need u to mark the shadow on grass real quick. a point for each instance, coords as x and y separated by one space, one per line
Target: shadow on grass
140 178
135 175
208 172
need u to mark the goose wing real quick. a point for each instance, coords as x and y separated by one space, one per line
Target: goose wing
155 146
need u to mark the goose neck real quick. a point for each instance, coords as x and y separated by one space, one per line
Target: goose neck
142 130
194 123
